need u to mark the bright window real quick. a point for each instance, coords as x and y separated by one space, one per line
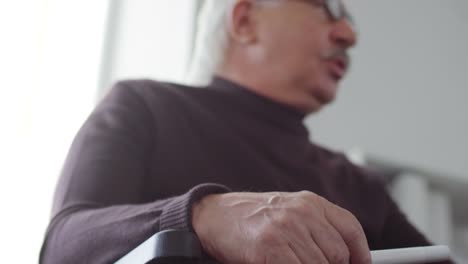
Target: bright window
50 53
56 58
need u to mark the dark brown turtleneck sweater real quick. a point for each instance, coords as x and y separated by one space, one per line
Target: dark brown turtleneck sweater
150 149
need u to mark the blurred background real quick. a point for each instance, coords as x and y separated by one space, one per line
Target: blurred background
402 109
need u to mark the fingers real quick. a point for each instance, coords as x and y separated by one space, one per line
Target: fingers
351 232
318 241
286 240
329 241
336 231
307 249
309 234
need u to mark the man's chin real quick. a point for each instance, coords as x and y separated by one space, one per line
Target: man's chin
325 95
315 105
319 97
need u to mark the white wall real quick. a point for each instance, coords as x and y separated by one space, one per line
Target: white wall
406 95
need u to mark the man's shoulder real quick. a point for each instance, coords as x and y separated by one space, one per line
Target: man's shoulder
154 93
146 87
162 100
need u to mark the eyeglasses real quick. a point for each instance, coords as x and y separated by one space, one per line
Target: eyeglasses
334 8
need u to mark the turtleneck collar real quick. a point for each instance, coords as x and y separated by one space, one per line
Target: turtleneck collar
261 107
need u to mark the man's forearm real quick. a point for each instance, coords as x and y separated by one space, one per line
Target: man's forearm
92 235
88 233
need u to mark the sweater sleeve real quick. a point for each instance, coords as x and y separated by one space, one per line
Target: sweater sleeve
99 213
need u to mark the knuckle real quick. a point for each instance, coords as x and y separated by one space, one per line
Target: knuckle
348 214
354 231
310 200
283 220
321 201
307 195
354 228
300 207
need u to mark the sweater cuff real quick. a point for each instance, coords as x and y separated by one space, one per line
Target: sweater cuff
178 213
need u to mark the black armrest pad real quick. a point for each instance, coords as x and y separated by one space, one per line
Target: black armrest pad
168 246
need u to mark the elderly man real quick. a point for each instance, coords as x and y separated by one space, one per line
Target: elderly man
231 162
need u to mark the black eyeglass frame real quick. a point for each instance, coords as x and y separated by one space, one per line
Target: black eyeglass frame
335 9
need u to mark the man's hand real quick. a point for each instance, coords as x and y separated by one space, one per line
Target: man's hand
278 228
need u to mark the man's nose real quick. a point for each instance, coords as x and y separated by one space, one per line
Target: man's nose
343 34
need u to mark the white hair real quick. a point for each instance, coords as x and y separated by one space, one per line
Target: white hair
210 41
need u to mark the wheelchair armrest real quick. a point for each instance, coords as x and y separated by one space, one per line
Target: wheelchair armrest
168 246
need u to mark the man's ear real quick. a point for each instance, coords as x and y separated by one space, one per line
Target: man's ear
241 22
